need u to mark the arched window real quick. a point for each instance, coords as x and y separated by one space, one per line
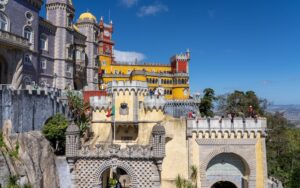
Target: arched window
43 42
3 22
28 34
27 59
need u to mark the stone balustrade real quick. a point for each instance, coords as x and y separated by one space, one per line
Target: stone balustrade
11 39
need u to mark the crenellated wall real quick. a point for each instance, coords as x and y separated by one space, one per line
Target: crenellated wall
30 108
222 126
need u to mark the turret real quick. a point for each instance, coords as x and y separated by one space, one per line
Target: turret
87 25
72 140
158 141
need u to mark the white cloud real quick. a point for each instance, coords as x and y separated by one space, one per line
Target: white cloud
128 3
152 10
128 57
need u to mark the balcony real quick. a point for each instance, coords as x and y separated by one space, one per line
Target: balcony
209 125
14 41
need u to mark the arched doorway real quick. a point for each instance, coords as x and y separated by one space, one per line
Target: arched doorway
223 184
112 176
228 170
3 71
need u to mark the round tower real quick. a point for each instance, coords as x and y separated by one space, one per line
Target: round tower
87 25
158 141
72 140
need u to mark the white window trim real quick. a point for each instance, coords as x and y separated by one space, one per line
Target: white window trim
31 39
44 64
46 42
7 28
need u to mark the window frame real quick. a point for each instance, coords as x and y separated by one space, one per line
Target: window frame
45 47
28 30
5 22
43 64
27 59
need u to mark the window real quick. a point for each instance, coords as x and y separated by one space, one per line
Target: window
3 22
70 53
27 59
44 64
78 55
29 16
82 56
104 63
128 71
69 21
43 42
28 33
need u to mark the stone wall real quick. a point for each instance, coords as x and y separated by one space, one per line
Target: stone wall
29 109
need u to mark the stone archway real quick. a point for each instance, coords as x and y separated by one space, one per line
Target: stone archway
3 71
115 163
244 155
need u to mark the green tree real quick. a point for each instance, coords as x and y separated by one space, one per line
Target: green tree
283 148
54 130
239 102
206 105
79 110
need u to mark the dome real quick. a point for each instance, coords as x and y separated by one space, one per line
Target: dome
87 16
73 128
158 129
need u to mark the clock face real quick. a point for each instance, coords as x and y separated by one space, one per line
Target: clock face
106 33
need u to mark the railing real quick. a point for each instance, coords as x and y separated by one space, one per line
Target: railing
227 124
13 40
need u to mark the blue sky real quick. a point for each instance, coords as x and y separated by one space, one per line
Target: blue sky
235 44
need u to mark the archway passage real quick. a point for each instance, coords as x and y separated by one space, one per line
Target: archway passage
113 176
223 184
227 167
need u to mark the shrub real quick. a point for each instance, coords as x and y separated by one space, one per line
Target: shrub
54 130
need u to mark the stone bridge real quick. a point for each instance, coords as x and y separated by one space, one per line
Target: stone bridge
30 108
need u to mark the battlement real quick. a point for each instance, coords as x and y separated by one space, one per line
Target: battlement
29 109
122 86
180 57
100 102
31 90
222 125
154 102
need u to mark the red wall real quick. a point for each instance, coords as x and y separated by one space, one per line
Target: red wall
88 94
182 66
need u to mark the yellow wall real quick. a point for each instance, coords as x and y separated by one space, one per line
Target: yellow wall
176 159
259 164
125 69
